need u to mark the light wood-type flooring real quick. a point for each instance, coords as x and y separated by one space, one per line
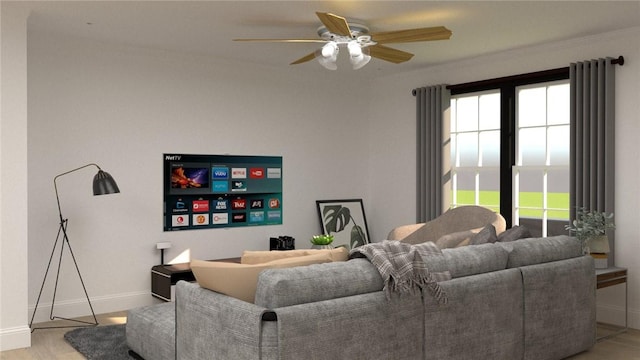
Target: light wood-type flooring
50 344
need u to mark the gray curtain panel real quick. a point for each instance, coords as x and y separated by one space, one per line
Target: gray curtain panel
431 102
592 164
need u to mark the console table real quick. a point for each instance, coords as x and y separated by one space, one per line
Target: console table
610 277
165 277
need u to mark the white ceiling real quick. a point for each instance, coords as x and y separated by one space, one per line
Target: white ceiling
208 27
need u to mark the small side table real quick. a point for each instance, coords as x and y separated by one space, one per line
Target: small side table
165 277
610 277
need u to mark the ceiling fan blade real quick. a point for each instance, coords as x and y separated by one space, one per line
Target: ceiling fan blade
389 54
284 40
304 59
335 23
412 35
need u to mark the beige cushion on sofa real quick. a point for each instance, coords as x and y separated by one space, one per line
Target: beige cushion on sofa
259 257
239 280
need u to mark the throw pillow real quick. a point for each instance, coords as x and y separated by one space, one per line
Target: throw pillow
515 233
486 235
259 257
239 280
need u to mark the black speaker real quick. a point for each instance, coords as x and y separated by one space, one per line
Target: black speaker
282 243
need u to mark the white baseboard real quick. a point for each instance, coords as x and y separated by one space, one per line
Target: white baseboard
15 338
101 305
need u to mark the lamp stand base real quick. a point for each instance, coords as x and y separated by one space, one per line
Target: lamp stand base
65 240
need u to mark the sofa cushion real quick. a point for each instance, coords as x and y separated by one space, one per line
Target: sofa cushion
284 287
515 233
470 260
239 280
151 330
259 257
530 251
559 308
360 327
486 235
483 319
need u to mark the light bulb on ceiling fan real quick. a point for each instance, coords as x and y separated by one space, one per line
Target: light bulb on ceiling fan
357 56
329 55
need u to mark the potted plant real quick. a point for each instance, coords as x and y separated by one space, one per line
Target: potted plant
590 229
322 241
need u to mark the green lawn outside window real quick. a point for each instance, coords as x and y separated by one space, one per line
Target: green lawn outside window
530 203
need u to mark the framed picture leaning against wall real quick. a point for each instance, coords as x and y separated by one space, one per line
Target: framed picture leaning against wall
345 220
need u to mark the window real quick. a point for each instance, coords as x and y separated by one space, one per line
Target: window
475 150
510 152
541 172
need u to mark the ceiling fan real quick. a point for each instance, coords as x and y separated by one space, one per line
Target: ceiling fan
336 32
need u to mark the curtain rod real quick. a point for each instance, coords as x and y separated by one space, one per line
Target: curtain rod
551 74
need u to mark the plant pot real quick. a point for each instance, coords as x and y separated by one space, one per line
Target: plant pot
600 260
322 247
599 249
598 244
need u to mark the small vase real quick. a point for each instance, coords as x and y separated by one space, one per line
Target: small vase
322 247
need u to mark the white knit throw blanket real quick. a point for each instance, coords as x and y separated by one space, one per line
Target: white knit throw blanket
402 267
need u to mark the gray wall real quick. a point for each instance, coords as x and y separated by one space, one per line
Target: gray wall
123 107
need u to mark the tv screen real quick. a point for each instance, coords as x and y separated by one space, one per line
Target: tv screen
215 191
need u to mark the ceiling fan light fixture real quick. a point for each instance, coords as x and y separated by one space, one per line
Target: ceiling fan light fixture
327 63
358 57
330 49
354 49
329 55
360 62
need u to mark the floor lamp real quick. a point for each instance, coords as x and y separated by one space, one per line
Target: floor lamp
103 184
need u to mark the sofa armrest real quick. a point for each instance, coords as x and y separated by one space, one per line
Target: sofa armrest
210 325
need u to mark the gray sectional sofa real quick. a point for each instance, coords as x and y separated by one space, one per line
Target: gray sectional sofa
526 299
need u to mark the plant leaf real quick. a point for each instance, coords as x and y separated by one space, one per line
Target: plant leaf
357 237
336 217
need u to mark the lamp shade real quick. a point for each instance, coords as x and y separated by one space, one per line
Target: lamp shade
104 184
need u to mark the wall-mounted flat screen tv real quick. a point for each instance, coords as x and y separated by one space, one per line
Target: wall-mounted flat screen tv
217 191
